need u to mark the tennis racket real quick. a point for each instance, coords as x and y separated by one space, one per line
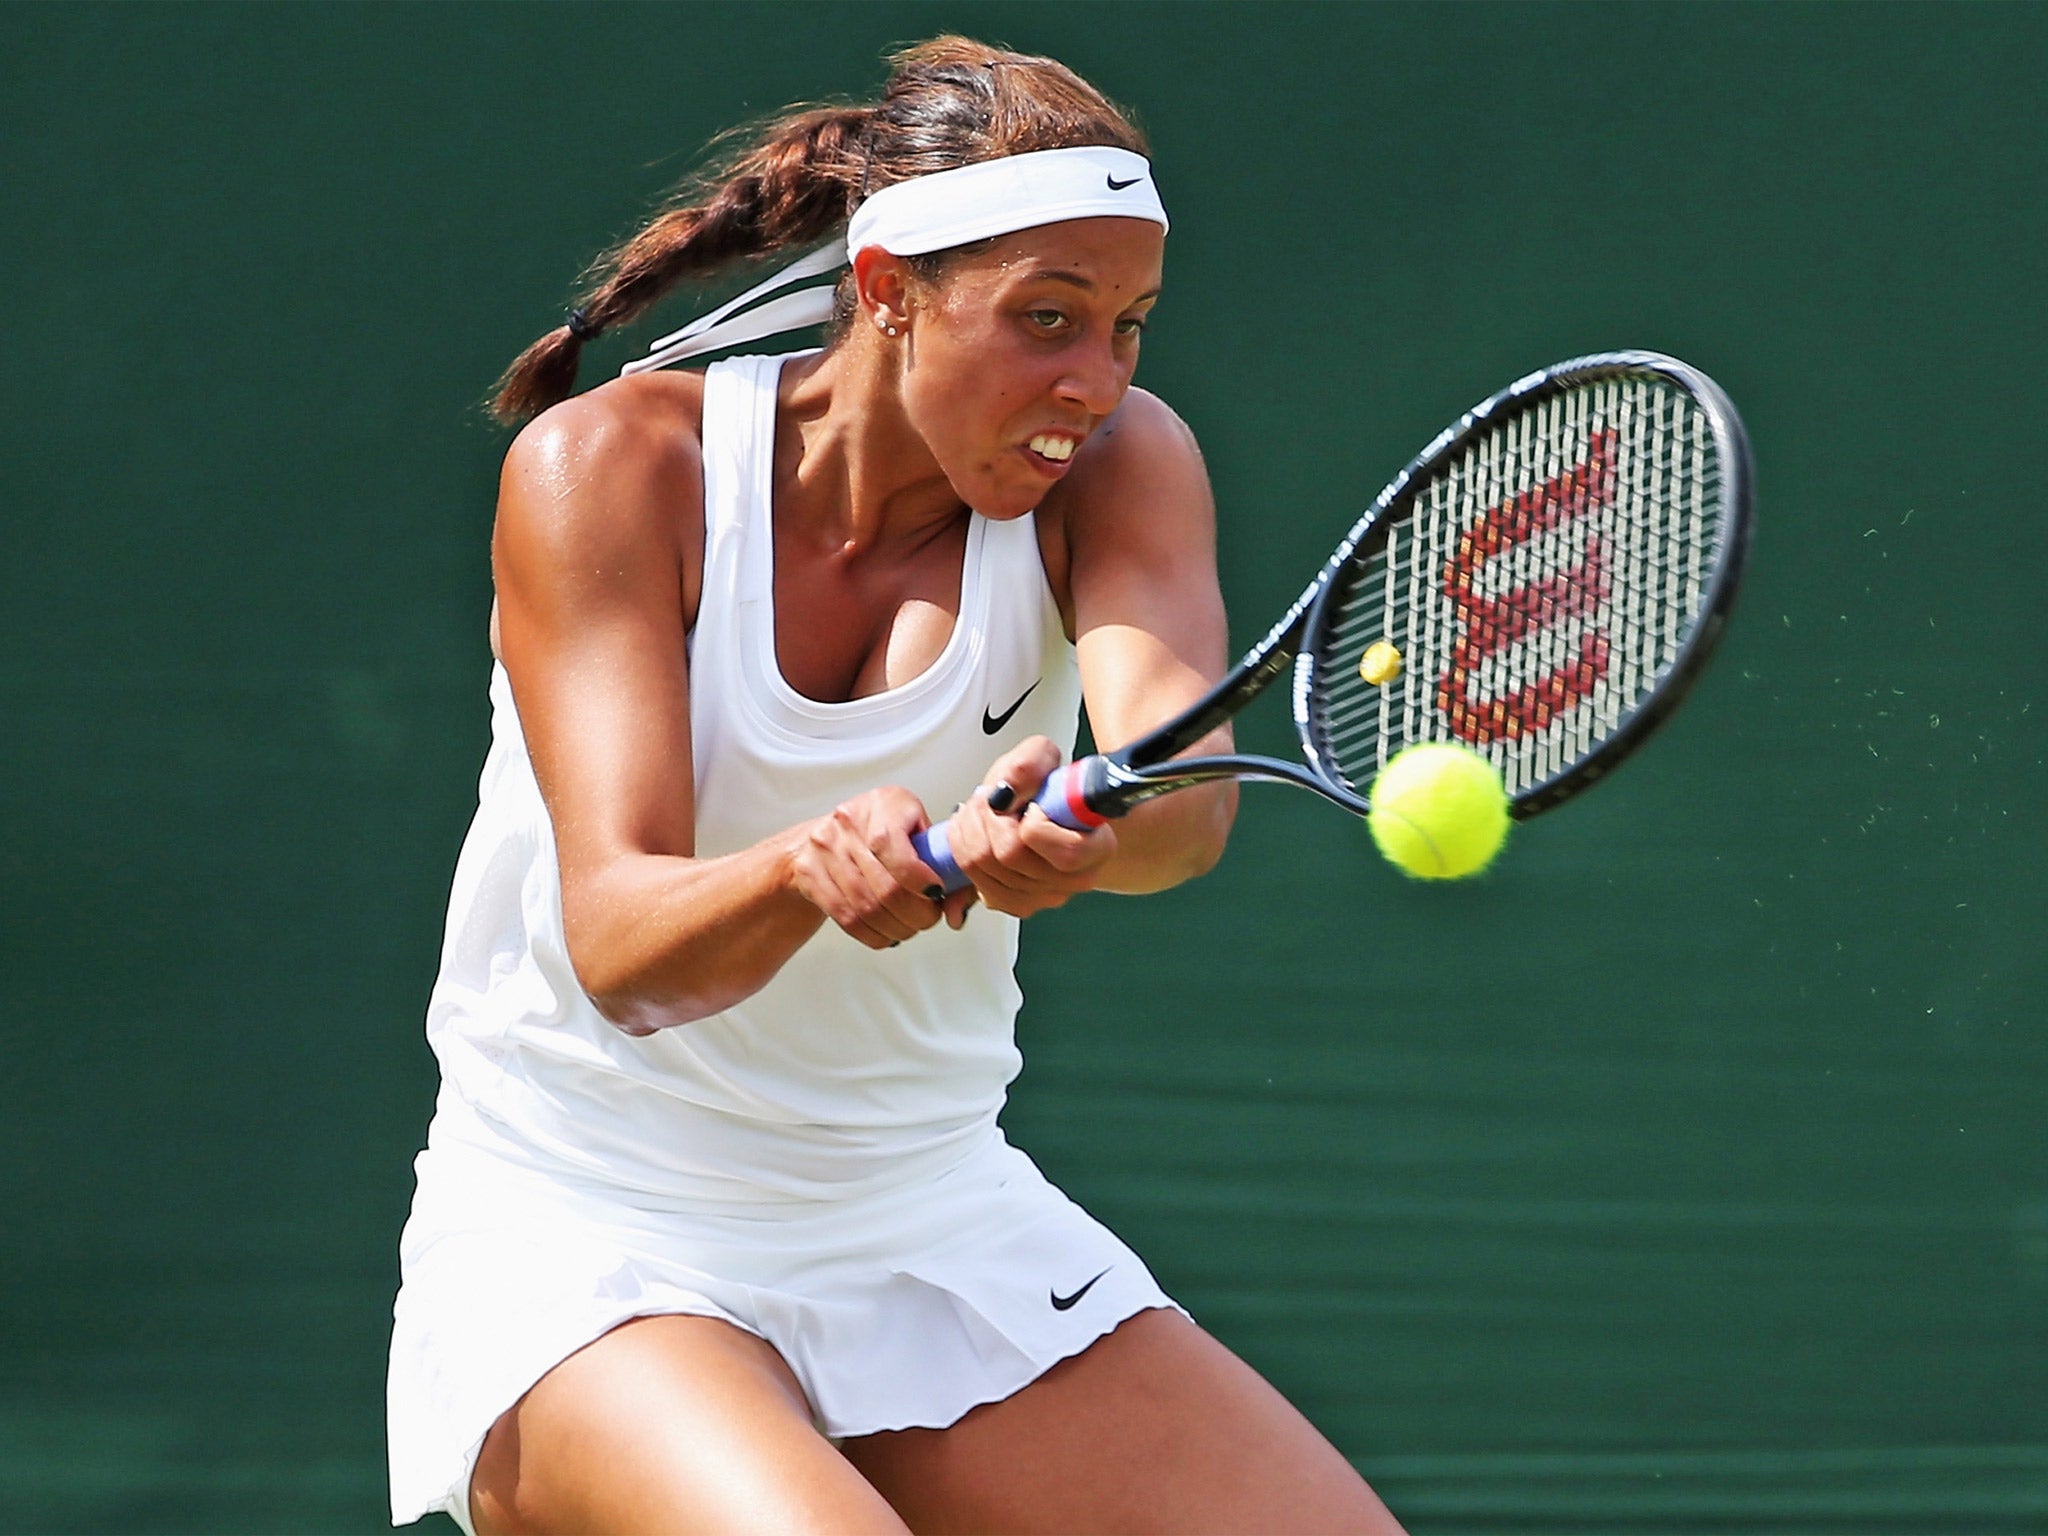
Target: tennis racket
1543 583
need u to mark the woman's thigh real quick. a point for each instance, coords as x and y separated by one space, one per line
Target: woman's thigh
669 1425
1155 1427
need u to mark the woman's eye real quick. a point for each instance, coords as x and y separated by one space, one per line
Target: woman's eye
1046 319
1133 325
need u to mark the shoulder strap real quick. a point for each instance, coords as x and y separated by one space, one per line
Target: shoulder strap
738 433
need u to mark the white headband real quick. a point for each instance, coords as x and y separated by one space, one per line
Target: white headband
931 213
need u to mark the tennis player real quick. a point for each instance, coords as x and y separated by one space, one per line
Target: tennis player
715 1229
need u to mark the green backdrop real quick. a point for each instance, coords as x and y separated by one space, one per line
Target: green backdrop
1685 1174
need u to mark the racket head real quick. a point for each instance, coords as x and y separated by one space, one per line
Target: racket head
1552 571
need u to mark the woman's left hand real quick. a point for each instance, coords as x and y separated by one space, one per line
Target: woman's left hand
1021 864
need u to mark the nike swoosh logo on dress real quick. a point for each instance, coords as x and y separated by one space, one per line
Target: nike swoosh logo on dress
1062 1303
991 723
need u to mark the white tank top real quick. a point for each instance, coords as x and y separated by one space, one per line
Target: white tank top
853 1069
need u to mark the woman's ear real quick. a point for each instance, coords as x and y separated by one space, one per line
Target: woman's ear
882 289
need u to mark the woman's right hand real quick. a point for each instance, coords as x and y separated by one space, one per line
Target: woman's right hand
856 865
1020 860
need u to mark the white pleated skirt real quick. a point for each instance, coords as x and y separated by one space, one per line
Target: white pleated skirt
897 1310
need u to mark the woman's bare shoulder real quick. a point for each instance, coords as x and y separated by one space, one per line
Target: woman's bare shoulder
1142 453
606 469
1138 489
1142 434
612 436
605 493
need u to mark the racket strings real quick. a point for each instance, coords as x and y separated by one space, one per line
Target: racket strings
1545 579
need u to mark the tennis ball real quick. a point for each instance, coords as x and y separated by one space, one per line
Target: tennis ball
1380 664
1439 812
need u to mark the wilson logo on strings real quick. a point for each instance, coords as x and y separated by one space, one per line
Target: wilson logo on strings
1488 625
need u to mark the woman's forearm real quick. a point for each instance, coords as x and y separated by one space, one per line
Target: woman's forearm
659 940
1172 839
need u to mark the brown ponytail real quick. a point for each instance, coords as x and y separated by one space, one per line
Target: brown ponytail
948 102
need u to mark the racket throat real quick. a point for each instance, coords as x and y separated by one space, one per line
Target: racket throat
1112 789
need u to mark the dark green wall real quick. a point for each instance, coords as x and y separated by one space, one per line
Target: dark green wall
1686 1174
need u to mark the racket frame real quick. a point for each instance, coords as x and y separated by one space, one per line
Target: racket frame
1669 688
1148 767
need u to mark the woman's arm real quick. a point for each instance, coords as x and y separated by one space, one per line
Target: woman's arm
1149 625
597 557
1131 553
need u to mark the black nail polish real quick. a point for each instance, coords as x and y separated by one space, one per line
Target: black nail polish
1000 798
934 893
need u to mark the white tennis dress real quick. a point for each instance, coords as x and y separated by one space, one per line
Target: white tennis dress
819 1164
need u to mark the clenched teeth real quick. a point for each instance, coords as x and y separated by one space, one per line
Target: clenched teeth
1048 446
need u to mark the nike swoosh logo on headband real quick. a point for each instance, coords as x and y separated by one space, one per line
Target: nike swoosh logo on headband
1118 186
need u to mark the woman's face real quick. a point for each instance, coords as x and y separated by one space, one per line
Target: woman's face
1017 353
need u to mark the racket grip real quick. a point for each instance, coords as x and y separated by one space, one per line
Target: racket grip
935 846
1063 798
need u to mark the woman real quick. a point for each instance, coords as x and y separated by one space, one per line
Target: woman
715 1229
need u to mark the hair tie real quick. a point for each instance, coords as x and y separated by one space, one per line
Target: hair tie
581 328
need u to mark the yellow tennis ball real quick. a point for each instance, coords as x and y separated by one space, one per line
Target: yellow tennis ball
1439 812
1380 664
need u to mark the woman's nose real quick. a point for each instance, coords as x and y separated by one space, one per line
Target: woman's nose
1094 379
